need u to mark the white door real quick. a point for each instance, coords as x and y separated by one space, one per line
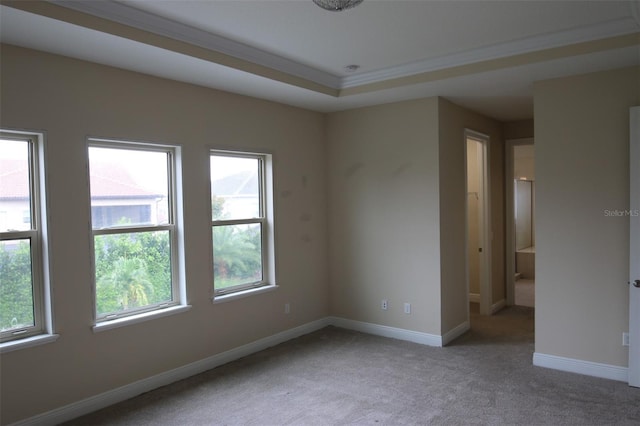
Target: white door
634 251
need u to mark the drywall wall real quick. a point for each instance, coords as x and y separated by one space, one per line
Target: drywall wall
70 100
582 170
383 214
524 162
517 129
453 120
397 213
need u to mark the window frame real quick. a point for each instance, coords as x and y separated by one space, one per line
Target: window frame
266 221
173 226
42 328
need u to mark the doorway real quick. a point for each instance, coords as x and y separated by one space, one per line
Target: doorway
520 244
478 251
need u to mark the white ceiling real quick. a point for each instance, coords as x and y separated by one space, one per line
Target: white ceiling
389 39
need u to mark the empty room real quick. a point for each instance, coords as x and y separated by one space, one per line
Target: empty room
316 212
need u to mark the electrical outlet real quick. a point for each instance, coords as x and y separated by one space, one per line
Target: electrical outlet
625 339
384 305
407 308
287 308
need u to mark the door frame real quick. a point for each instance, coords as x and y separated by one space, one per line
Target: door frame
486 295
510 223
634 246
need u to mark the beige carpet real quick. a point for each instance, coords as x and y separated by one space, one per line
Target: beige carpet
340 377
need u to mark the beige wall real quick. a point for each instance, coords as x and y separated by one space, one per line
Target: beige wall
383 214
453 120
582 168
70 100
397 212
394 222
518 129
524 162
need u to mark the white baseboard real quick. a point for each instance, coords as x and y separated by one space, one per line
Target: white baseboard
114 396
386 331
455 332
131 390
475 298
604 371
497 306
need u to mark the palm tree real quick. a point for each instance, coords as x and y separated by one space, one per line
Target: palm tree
129 281
236 256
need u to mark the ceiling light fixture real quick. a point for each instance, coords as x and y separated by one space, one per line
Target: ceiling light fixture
337 5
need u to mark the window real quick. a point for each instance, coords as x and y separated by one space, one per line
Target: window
242 221
133 213
23 300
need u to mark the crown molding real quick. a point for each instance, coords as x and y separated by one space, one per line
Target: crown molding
531 44
145 21
127 15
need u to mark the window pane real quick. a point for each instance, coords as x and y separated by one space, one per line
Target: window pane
128 187
237 255
16 285
15 196
133 270
235 187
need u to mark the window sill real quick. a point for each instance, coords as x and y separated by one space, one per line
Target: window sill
27 342
135 319
245 293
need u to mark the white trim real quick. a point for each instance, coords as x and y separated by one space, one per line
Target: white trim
127 15
588 368
173 227
138 318
510 239
634 247
386 331
455 332
131 390
105 399
486 232
475 298
29 342
228 297
498 305
42 330
603 30
266 220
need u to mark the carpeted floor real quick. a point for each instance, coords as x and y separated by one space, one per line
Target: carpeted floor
338 377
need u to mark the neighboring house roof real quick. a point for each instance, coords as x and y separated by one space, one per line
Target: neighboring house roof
112 181
107 181
238 184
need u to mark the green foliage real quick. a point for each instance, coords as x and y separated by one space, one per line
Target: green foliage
237 257
237 250
16 292
132 270
217 207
